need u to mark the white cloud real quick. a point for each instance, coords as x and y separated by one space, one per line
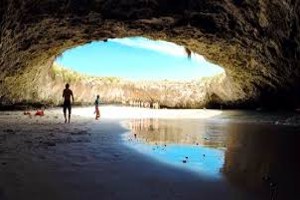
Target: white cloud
198 58
159 46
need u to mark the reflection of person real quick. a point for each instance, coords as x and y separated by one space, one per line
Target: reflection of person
97 111
67 93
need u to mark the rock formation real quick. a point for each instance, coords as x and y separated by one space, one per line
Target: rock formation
257 42
171 94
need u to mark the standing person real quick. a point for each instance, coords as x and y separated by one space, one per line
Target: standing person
97 111
67 93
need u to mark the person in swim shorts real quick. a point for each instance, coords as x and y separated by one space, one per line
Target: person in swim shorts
67 94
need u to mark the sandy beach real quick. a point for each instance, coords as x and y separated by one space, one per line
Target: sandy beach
43 158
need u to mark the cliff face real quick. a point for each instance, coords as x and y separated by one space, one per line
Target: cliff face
257 42
184 94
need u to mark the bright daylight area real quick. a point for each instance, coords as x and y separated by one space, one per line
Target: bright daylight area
137 58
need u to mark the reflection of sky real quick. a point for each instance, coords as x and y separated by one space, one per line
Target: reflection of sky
202 160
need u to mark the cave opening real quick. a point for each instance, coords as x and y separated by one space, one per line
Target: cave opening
138 69
255 153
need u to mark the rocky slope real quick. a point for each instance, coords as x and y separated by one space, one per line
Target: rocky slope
189 94
257 42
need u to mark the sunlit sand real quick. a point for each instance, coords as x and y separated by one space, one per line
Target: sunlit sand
116 112
44 158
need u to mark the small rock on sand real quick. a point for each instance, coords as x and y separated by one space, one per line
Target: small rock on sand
51 144
10 131
42 157
79 133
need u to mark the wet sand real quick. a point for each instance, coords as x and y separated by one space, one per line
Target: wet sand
43 158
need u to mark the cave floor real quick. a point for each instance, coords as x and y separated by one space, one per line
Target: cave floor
43 158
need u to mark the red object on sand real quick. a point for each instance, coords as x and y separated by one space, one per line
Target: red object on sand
39 113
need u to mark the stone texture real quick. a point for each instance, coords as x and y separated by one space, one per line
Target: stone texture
172 94
257 42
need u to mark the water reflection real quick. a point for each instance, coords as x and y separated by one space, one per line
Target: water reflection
264 158
182 143
191 132
260 158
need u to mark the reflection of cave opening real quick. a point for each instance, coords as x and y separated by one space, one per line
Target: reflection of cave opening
138 71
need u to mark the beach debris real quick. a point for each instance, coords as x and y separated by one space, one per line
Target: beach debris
49 143
273 190
28 142
186 159
10 131
273 187
39 113
80 133
51 135
266 178
42 157
82 140
28 113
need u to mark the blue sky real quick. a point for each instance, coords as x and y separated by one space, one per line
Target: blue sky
137 58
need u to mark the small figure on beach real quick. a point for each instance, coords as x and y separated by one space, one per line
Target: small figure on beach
97 111
67 94
40 113
27 112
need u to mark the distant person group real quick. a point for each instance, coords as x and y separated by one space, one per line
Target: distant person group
141 104
67 105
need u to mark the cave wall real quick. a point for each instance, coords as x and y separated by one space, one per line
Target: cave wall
257 42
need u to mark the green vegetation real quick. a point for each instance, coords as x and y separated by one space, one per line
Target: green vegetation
67 75
71 76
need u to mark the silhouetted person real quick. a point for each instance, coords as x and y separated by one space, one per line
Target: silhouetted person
97 111
67 93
